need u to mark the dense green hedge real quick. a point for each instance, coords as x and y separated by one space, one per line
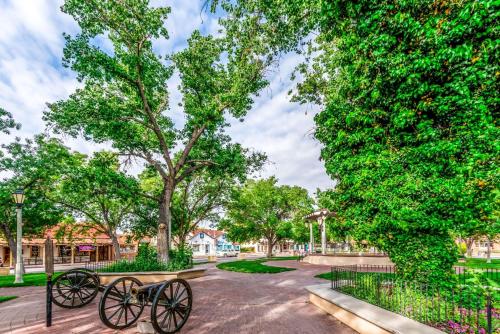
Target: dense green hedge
146 260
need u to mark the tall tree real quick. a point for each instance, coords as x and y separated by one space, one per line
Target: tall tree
200 197
263 210
99 193
408 92
124 99
34 165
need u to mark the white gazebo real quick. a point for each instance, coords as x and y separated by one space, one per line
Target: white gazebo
319 216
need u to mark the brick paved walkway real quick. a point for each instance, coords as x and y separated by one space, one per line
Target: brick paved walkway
224 302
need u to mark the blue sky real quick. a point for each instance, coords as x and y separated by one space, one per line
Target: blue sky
31 74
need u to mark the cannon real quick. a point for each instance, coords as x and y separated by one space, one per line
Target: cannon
75 288
124 299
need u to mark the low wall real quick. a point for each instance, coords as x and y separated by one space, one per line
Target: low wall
343 260
153 277
363 317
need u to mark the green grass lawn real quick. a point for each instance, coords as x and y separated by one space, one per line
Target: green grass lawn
35 279
256 266
480 264
6 298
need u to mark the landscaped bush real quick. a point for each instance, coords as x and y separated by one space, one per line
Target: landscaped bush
247 249
462 249
461 307
146 260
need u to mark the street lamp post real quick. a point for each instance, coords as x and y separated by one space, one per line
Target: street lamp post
18 196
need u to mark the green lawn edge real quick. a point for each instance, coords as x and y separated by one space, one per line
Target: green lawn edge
256 266
32 279
6 298
473 263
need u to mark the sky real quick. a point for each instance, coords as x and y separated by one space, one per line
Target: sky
31 75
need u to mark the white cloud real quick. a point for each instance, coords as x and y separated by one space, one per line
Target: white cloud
31 74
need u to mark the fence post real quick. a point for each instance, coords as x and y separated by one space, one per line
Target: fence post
378 288
488 312
331 276
49 270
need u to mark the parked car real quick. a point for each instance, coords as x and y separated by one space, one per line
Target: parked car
227 250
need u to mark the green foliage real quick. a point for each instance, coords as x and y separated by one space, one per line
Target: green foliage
7 122
480 263
97 191
262 209
462 249
198 198
145 252
137 265
147 260
408 92
124 97
253 267
247 249
181 257
35 165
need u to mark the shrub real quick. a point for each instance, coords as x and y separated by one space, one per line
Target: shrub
462 249
247 249
181 257
146 260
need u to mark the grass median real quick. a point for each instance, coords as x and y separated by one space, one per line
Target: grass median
34 279
474 263
256 266
6 298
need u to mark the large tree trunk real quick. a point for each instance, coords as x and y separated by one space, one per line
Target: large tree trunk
165 219
270 245
488 251
116 245
469 242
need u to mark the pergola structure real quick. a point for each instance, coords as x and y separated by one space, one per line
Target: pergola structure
319 216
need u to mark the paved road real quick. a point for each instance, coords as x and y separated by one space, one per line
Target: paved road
224 302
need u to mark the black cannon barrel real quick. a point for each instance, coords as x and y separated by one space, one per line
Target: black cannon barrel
145 290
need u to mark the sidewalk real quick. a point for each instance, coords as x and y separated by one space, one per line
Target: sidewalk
224 302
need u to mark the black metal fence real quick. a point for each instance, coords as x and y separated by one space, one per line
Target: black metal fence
471 305
98 266
33 261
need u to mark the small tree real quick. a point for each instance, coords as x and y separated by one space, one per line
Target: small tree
124 99
34 165
99 193
263 210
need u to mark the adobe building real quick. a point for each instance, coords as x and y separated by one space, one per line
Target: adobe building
88 246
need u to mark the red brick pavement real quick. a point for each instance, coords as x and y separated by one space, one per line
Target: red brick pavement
224 302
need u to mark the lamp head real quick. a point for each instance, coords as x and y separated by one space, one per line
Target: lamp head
18 197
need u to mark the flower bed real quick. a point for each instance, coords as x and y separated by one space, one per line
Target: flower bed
471 306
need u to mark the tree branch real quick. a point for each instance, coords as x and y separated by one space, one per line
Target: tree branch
187 149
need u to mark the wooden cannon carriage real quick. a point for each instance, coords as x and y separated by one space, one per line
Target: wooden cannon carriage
124 299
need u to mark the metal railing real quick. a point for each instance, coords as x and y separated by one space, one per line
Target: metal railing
470 305
33 261
98 266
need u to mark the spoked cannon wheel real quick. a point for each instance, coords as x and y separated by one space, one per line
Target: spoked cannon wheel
117 307
171 306
75 288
